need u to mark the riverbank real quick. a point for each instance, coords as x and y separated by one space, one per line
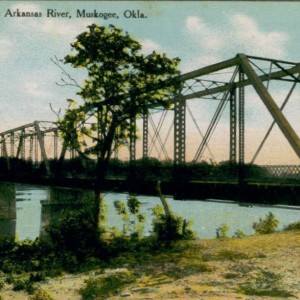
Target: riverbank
265 266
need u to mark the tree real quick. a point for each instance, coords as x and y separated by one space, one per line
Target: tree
121 85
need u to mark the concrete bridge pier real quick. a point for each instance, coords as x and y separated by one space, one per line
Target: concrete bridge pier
60 200
7 210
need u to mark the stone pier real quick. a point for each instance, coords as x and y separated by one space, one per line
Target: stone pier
7 210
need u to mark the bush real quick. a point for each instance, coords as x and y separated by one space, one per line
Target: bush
169 228
40 295
292 226
267 225
75 237
106 286
265 283
222 231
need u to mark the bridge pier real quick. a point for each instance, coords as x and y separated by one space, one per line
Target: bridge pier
7 210
61 200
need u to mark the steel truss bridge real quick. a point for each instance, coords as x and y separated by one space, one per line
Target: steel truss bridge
222 83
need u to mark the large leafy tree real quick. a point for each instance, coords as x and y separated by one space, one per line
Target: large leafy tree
121 84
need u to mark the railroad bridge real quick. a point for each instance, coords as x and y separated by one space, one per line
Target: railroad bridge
164 133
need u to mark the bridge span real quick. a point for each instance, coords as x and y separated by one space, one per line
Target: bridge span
177 134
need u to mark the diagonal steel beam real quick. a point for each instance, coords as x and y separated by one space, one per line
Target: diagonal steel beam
273 123
229 86
269 102
209 69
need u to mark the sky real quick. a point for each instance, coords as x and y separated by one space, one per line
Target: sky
200 33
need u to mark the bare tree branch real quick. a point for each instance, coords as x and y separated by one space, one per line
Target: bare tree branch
55 112
70 80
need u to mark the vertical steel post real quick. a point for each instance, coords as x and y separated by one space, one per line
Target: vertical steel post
36 151
132 139
23 145
55 144
42 146
233 126
31 148
20 146
179 129
145 135
241 119
12 145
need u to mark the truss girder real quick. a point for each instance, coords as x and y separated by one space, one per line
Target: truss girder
271 105
244 83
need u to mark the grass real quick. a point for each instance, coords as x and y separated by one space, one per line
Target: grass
265 283
254 266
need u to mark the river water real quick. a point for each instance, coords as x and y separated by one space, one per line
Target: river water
206 216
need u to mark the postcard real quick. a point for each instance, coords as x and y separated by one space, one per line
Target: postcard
197 100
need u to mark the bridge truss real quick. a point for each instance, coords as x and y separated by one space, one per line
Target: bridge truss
224 84
37 141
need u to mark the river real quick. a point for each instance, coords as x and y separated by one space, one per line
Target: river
206 216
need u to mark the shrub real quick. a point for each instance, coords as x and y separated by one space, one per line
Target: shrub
40 295
265 283
131 216
7 244
169 228
222 231
266 225
106 286
75 236
292 226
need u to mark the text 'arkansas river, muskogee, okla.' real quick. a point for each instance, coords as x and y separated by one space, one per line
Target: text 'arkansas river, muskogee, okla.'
80 13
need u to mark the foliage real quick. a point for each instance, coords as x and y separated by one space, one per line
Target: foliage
132 217
232 255
239 234
40 294
106 286
222 231
169 228
292 226
75 237
265 283
267 225
121 84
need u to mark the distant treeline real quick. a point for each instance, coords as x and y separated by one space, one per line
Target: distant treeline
143 169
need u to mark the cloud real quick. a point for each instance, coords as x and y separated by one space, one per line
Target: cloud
239 33
148 46
208 37
63 28
36 90
51 26
249 37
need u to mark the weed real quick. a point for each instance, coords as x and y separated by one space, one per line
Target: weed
239 234
265 283
40 295
106 286
231 275
292 226
221 231
267 225
231 255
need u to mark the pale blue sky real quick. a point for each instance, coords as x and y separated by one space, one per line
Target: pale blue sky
200 33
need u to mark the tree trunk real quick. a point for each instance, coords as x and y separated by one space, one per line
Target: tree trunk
163 200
